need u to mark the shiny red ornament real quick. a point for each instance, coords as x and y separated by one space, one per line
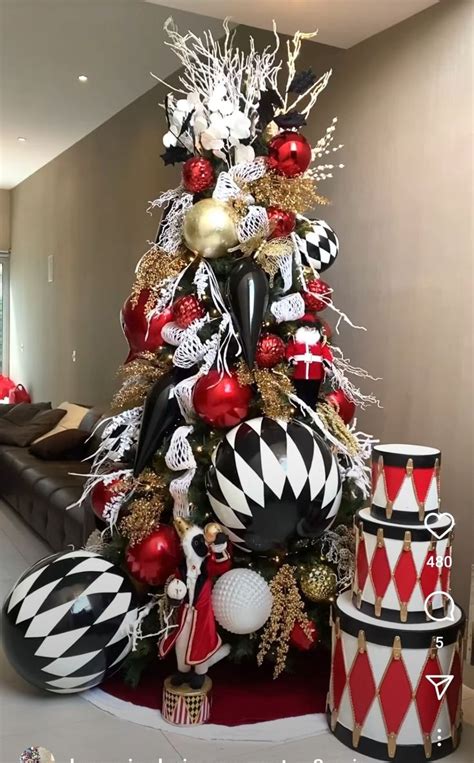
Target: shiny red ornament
198 174
220 400
156 557
282 222
186 310
344 407
311 299
289 153
142 330
102 495
270 351
300 640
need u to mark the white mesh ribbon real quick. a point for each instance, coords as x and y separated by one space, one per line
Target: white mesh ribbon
172 333
255 224
201 280
180 458
229 187
289 308
171 229
286 270
183 393
247 172
190 348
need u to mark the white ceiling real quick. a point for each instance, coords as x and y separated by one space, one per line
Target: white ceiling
342 23
46 44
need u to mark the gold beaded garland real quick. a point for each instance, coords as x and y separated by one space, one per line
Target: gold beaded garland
318 581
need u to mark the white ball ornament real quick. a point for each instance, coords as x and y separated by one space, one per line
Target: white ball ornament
242 601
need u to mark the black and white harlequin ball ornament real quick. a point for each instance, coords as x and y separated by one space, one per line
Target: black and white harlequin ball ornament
272 480
66 622
319 246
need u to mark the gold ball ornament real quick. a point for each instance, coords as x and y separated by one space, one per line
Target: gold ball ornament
318 582
209 228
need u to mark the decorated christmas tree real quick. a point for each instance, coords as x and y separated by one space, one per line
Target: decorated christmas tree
232 453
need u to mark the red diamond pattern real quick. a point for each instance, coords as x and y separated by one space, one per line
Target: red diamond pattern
362 564
362 687
395 695
453 694
405 576
422 479
446 571
339 677
430 574
380 571
427 703
394 476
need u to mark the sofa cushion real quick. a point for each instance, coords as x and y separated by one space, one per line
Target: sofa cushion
23 434
72 418
62 445
20 413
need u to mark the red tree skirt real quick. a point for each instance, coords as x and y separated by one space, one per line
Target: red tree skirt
242 693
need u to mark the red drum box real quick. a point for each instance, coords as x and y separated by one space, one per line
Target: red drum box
396 672
405 482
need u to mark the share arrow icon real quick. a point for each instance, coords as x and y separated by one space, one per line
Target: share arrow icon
441 684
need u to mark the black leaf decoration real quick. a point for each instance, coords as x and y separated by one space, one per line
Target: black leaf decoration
186 123
291 119
269 100
302 81
175 155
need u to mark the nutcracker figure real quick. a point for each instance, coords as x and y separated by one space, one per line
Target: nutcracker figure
311 358
195 639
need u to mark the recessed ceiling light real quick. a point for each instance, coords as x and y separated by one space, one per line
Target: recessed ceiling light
21 139
83 78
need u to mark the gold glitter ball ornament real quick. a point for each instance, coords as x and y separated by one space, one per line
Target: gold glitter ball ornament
209 228
318 581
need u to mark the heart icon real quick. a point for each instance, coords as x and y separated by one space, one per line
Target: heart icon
438 520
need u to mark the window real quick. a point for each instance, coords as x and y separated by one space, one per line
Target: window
4 305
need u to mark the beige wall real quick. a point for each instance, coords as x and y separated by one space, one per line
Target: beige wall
402 209
4 220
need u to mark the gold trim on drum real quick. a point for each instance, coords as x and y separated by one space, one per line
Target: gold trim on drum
427 745
356 734
392 745
437 471
407 541
361 642
397 648
380 538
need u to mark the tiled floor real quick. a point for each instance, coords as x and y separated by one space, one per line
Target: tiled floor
75 730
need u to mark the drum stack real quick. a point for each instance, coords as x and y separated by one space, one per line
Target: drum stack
396 677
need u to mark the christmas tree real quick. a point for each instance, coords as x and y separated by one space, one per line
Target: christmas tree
236 410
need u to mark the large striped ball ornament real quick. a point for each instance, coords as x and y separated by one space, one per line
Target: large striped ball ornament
271 481
319 246
66 623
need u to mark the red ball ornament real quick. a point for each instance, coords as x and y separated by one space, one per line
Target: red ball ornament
289 153
270 351
186 310
344 407
142 330
282 222
300 640
198 174
311 300
220 400
102 496
156 557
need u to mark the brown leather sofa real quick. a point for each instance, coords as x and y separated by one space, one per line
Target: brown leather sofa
41 490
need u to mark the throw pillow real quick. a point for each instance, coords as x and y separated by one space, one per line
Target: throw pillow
60 446
71 420
23 435
20 413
